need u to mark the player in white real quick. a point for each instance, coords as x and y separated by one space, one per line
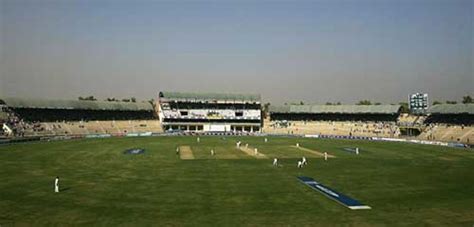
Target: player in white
212 152
300 164
198 139
56 184
266 140
303 161
357 150
275 162
256 151
297 144
246 145
177 150
325 156
238 144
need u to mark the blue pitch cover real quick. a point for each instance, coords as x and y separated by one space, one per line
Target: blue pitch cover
332 194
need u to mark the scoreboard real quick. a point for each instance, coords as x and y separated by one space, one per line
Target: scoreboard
418 103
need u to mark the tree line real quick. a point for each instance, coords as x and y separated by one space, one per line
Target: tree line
465 100
112 99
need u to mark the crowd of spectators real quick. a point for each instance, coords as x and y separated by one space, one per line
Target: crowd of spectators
13 122
32 121
217 106
18 126
377 128
408 120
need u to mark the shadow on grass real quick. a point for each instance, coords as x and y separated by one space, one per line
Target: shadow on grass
65 189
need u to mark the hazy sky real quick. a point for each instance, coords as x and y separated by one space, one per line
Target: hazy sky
315 51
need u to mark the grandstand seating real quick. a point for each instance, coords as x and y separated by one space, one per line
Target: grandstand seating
456 114
53 117
444 123
341 120
210 112
410 120
92 127
100 127
340 128
231 112
38 110
204 114
450 122
442 132
449 133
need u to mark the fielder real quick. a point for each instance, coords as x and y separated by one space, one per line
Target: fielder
275 162
300 165
256 151
56 184
303 161
212 152
177 150
357 150
266 140
198 139
325 156
297 144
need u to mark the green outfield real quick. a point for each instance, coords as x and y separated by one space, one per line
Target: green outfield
405 184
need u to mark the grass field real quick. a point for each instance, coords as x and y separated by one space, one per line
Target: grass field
405 184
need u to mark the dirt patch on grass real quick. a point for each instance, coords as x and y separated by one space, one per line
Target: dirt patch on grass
185 153
313 151
250 151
